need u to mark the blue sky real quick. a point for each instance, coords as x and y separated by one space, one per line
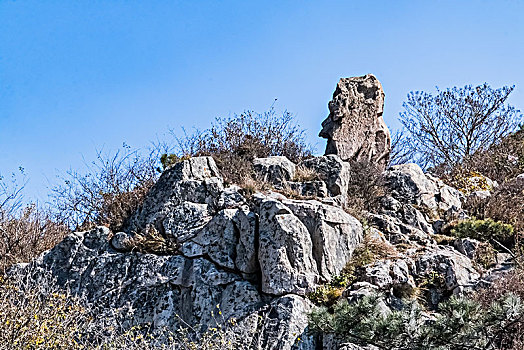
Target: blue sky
76 76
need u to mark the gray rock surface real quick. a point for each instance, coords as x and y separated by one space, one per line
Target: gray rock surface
355 129
275 170
256 261
456 269
409 184
285 251
332 170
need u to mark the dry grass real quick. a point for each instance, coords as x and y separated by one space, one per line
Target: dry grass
25 229
303 174
26 234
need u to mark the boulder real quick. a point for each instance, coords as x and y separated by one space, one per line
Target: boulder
354 128
302 243
408 184
394 275
334 234
315 189
332 170
456 269
183 199
275 170
285 251
283 325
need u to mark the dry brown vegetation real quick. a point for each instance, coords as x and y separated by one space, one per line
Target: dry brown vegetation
366 187
110 190
25 229
235 141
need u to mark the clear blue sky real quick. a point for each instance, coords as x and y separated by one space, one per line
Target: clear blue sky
80 75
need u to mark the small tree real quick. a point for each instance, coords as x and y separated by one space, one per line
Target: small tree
447 128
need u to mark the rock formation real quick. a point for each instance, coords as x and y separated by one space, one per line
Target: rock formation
253 259
355 129
259 256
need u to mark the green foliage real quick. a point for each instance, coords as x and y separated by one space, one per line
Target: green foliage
461 323
328 294
484 230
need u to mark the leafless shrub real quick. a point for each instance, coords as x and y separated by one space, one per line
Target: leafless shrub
111 189
365 188
25 229
503 160
450 126
235 141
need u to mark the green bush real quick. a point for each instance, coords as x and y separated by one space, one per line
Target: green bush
328 294
460 323
485 230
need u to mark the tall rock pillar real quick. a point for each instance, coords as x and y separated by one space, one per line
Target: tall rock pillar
355 129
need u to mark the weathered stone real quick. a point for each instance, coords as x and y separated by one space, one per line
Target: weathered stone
334 234
408 184
355 128
144 287
332 170
276 169
285 251
309 188
284 325
391 275
185 191
456 269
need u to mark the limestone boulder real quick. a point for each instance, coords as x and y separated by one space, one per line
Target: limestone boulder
275 170
285 251
407 183
334 234
455 268
331 170
302 243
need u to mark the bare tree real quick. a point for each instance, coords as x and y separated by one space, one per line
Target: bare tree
448 127
401 148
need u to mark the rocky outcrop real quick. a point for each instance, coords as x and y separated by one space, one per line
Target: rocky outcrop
355 129
409 184
257 260
196 245
333 172
303 243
